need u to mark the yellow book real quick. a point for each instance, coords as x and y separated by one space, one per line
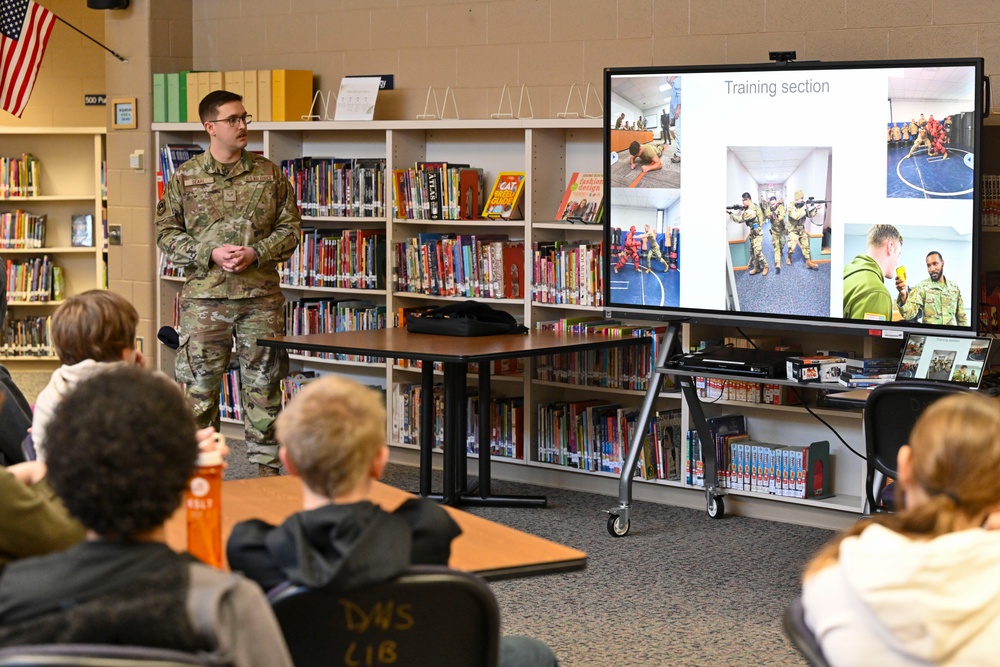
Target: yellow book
291 94
193 98
250 92
216 81
204 85
233 82
263 95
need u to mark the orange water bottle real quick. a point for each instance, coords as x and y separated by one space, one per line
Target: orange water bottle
203 502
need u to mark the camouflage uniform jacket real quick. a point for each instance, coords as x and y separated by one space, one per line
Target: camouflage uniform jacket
941 303
204 207
777 216
797 214
751 216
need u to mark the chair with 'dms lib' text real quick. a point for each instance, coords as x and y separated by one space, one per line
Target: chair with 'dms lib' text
890 413
430 615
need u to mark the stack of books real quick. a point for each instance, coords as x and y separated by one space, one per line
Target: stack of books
862 373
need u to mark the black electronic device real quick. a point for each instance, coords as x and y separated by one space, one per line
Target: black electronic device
734 361
107 4
823 134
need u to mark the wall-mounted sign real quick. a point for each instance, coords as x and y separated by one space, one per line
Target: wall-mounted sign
95 100
124 113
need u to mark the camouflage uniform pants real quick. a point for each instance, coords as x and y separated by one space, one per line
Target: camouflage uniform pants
655 253
757 251
797 236
207 328
778 238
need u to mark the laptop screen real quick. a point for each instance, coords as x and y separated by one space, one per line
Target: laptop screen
944 359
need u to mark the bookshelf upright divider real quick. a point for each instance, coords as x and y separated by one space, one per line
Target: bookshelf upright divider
69 183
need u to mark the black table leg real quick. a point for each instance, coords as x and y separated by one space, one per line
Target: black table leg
426 426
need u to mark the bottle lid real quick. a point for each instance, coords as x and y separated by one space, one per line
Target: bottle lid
212 457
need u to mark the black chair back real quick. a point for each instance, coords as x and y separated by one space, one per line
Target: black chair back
794 623
98 655
428 616
890 413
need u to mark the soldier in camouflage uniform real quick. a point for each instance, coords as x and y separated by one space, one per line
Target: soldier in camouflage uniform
933 300
753 218
779 233
653 249
797 234
229 216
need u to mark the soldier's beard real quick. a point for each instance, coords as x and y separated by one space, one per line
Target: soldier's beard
936 277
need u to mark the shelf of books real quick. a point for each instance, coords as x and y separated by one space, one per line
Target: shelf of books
52 188
400 216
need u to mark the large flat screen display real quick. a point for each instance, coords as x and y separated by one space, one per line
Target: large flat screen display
844 194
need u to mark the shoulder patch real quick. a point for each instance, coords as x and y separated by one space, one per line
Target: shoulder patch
260 178
198 181
161 207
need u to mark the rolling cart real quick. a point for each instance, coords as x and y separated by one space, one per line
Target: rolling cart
619 520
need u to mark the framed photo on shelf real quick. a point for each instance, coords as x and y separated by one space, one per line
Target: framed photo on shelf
82 231
123 110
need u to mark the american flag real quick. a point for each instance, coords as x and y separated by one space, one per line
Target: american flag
24 31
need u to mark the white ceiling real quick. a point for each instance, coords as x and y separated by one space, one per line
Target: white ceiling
771 164
645 198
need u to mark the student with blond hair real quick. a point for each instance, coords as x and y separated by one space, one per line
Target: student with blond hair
332 436
922 586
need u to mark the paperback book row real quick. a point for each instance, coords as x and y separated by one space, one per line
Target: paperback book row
173 156
28 337
337 258
487 266
626 367
570 272
793 471
437 191
294 383
327 315
746 392
338 187
20 176
35 279
991 201
268 94
595 435
506 420
20 229
989 300
230 400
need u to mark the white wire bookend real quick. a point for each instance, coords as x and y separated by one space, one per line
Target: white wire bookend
327 107
583 103
505 93
438 110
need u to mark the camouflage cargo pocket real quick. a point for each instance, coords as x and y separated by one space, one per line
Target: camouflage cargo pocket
182 363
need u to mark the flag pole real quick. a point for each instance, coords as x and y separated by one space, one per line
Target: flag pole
116 55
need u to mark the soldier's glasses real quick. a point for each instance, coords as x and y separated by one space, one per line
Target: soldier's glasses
233 121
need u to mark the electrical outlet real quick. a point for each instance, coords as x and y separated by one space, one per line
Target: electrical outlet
114 234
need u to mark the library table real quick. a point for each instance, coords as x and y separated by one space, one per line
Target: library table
487 548
455 353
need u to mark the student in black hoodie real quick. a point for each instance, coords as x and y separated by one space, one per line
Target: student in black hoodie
332 436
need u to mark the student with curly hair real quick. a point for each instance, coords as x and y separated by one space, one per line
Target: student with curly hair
122 446
921 587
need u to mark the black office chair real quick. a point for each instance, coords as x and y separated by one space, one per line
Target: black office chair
794 623
890 413
431 615
98 655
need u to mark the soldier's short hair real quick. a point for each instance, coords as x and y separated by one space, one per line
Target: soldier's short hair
332 430
879 234
96 324
934 252
746 195
633 148
208 108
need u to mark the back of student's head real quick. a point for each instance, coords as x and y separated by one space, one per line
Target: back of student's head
97 324
955 456
121 447
332 430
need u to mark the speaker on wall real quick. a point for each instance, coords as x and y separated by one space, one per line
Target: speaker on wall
107 4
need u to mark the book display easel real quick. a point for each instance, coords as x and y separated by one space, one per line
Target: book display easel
558 279
51 231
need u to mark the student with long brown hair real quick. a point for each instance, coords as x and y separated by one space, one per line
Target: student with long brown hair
921 586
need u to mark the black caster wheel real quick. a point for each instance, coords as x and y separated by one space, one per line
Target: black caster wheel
716 508
617 527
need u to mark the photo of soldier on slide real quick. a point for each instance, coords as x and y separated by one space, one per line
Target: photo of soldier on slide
777 208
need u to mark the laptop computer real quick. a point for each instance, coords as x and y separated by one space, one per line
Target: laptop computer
951 359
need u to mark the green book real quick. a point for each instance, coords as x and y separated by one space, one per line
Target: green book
159 98
174 97
182 94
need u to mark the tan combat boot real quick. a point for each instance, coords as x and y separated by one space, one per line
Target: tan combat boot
765 271
753 271
789 260
812 265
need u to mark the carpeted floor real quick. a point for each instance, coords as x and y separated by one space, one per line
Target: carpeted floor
679 589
